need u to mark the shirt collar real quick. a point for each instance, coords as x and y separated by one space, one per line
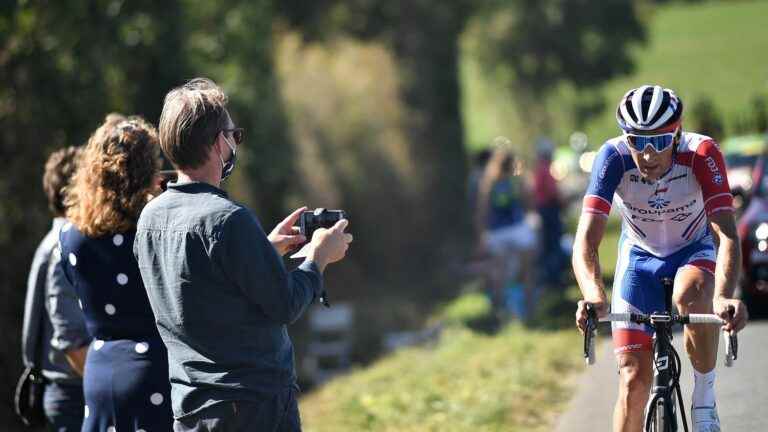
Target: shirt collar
58 222
195 187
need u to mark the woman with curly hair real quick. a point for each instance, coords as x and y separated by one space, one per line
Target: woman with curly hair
126 372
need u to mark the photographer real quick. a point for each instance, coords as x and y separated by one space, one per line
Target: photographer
221 294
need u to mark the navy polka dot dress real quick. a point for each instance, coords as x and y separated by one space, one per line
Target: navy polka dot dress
126 372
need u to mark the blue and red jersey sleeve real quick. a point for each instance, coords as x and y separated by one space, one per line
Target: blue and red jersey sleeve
708 166
607 171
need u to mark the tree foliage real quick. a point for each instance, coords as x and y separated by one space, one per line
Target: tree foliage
423 37
708 120
65 65
534 46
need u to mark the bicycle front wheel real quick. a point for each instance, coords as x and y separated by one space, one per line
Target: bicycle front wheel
659 418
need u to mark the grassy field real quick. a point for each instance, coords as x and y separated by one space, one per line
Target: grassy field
465 381
513 381
710 49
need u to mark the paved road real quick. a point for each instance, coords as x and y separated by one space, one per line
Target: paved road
742 391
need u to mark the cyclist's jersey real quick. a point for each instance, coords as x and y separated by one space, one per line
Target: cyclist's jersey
664 216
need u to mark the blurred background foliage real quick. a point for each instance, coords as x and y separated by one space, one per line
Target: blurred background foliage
704 50
368 105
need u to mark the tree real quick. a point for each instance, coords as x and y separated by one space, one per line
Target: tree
540 44
533 46
707 118
232 43
423 36
63 67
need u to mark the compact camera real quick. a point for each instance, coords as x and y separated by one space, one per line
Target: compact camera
311 221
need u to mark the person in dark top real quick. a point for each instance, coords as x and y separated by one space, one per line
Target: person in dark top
221 294
504 233
54 336
548 203
126 373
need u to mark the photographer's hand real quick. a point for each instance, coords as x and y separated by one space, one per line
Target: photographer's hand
330 245
285 236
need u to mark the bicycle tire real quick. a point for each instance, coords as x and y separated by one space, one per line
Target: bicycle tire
659 421
661 416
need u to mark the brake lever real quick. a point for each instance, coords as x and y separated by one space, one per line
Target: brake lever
731 343
589 335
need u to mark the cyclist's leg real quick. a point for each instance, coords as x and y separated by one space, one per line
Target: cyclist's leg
637 288
693 292
694 288
635 375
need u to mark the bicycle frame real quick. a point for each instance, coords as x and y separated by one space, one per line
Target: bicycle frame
666 367
666 385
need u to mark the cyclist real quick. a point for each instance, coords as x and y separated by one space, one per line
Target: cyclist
672 193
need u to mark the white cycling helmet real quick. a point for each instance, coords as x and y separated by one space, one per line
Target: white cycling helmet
649 108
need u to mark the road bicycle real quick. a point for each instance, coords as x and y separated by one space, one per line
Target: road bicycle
660 412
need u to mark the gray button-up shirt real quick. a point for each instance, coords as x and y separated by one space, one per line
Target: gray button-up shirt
221 296
52 317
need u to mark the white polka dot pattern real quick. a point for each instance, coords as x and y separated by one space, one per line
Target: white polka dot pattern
97 344
141 347
156 398
122 278
110 309
72 259
117 239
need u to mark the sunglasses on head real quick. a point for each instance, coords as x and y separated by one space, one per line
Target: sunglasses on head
658 143
238 134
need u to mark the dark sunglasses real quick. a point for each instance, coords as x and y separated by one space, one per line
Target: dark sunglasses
657 142
238 134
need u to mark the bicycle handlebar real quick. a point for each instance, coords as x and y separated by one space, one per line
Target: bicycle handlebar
663 317
705 319
731 341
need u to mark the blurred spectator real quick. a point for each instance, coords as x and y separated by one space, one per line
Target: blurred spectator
54 335
505 234
475 175
126 382
547 201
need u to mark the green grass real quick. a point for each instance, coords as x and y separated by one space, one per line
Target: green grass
513 381
715 49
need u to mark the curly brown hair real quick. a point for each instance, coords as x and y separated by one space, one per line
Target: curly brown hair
115 176
59 168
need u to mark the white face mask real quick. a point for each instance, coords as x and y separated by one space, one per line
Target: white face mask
228 166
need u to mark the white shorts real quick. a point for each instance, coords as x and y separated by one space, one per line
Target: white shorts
512 238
